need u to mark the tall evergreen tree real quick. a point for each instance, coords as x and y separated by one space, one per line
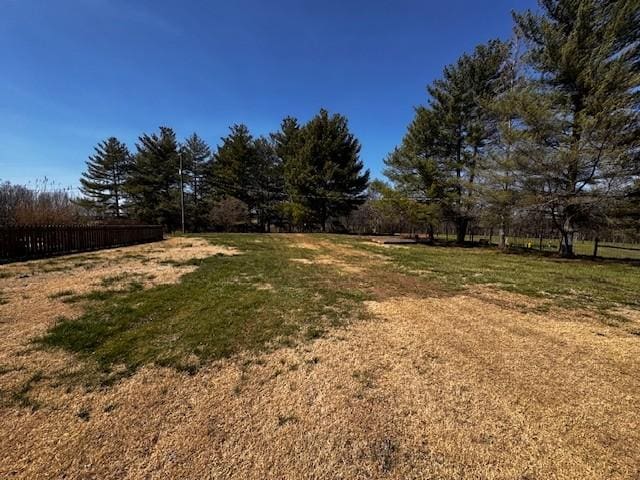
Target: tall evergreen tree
154 181
269 183
441 155
499 185
286 142
102 183
248 169
197 173
581 111
233 164
324 176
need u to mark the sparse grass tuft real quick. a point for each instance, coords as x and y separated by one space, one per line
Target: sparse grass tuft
365 378
62 293
313 332
114 279
284 419
104 295
84 414
21 396
182 263
384 453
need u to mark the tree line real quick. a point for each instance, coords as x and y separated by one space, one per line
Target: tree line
543 129
301 177
540 133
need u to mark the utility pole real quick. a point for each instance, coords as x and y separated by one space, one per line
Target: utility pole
181 192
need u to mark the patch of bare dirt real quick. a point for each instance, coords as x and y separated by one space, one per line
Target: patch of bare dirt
343 258
302 241
338 263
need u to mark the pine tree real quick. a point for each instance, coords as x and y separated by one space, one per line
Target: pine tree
324 175
233 162
248 169
499 185
269 183
581 111
154 181
234 168
441 155
102 183
286 142
197 172
407 212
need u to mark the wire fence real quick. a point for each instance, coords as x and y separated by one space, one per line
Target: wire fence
547 243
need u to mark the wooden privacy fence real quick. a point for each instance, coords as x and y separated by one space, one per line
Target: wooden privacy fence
34 241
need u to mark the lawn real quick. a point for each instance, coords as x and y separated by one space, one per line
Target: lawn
268 294
599 284
323 356
264 297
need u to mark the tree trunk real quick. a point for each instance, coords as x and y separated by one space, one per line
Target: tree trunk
503 239
566 244
502 234
595 247
461 230
323 217
430 234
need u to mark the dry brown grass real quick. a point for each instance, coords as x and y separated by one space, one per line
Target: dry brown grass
464 386
35 294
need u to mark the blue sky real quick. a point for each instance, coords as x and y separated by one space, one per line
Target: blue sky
77 71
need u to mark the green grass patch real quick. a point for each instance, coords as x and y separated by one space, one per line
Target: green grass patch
123 277
214 312
575 283
184 263
104 295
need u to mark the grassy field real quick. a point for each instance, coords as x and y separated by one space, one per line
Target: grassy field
227 305
318 356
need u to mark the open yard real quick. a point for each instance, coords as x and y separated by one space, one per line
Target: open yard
318 356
